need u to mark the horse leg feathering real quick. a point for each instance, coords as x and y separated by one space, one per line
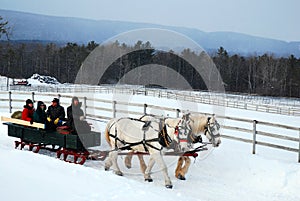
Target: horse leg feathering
181 169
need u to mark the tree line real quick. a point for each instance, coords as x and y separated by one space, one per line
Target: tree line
263 75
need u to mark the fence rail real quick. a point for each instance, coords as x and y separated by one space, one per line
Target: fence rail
116 108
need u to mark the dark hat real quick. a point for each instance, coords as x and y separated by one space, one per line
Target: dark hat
56 100
28 101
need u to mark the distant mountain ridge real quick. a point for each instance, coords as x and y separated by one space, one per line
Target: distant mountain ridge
28 26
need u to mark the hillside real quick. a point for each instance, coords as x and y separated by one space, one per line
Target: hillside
65 29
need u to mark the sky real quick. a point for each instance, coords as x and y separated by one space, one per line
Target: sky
276 19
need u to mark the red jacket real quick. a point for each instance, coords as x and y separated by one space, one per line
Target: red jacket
27 114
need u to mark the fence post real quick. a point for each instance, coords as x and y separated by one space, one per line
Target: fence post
9 99
177 113
33 97
84 106
114 109
145 108
299 148
254 136
59 96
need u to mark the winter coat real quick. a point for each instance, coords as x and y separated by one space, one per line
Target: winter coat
56 112
40 116
27 113
73 113
74 121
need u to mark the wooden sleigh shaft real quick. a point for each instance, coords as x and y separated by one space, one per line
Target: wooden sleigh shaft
22 122
101 155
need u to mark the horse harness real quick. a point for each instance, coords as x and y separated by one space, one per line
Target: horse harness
210 128
185 130
163 138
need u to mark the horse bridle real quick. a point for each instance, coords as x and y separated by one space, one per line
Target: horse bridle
210 128
185 129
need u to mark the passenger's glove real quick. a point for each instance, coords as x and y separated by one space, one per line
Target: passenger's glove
48 119
81 118
56 121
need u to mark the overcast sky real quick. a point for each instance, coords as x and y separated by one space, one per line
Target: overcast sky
277 19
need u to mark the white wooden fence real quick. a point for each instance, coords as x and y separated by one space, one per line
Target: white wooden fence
285 106
95 108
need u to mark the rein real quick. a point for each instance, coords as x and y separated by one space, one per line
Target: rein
197 149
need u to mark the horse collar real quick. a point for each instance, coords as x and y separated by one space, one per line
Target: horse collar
163 138
208 119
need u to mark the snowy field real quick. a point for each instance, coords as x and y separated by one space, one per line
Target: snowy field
229 172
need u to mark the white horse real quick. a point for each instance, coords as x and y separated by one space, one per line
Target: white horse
141 136
191 126
197 125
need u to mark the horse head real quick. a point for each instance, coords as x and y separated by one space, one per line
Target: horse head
180 142
212 131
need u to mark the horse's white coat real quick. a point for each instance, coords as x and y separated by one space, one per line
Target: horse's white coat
130 131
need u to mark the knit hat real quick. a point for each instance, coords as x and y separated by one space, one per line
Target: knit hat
28 101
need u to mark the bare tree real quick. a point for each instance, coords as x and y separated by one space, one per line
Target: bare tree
4 29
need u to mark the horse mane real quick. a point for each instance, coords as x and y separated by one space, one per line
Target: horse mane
172 122
198 123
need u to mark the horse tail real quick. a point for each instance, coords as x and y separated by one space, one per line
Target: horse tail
107 130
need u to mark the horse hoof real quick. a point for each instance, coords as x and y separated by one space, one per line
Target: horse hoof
169 186
181 177
119 173
149 180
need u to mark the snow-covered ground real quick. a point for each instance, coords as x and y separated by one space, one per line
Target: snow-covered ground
229 172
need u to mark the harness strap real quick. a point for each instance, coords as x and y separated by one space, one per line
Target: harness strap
132 144
146 143
128 145
116 140
144 140
153 147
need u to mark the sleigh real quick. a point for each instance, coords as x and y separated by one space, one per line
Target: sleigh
65 144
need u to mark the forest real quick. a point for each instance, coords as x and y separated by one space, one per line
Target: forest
255 74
